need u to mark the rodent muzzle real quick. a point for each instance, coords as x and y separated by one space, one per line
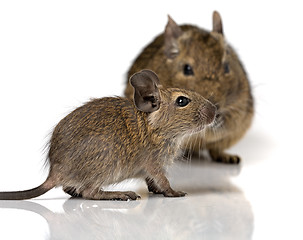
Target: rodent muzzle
208 113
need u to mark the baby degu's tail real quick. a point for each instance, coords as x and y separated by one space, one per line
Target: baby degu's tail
27 194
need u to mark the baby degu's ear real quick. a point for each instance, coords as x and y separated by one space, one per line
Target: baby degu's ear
146 96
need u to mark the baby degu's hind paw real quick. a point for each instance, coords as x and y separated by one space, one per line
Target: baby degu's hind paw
72 191
124 196
110 195
224 157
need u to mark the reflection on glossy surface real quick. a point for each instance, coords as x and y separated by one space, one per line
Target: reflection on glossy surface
213 208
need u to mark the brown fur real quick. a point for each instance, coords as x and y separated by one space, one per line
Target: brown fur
218 76
110 139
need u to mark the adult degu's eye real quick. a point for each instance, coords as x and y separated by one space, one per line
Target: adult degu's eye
182 101
188 70
226 67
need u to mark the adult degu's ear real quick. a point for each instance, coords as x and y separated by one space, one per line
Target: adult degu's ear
171 34
218 33
146 96
217 23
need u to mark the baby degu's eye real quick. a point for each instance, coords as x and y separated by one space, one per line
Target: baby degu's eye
182 101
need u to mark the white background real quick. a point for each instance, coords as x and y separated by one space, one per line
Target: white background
55 55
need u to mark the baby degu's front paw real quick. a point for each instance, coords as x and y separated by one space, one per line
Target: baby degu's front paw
172 193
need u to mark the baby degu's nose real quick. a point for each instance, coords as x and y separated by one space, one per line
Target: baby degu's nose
208 113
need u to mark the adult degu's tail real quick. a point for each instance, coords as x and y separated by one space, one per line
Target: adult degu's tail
27 194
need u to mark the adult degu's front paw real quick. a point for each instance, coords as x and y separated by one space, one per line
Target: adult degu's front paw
224 157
